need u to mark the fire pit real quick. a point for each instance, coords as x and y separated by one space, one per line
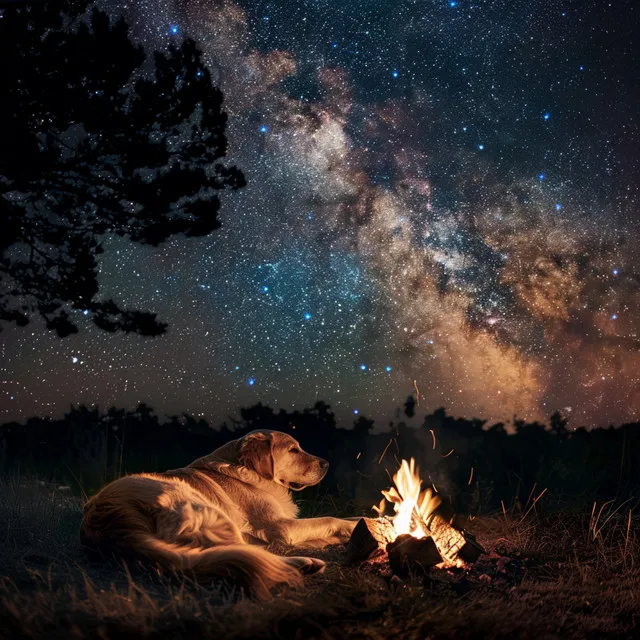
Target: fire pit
418 536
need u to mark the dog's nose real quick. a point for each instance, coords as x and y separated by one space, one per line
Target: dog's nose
323 463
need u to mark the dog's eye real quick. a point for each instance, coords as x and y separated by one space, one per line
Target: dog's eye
294 450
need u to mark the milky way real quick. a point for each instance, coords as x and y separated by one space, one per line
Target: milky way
438 192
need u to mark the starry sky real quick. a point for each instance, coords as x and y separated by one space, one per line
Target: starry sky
443 195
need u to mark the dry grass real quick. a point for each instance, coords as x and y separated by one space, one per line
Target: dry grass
569 576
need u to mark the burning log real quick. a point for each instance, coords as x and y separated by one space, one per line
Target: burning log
408 552
369 536
456 547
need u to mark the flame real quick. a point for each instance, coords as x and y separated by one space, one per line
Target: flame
413 510
411 505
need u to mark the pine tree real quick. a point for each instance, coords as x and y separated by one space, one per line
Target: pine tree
93 143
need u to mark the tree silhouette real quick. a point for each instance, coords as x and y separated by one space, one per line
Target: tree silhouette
558 425
93 144
410 407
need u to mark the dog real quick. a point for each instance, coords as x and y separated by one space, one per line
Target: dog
213 517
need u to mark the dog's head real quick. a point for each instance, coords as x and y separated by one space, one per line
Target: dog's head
276 456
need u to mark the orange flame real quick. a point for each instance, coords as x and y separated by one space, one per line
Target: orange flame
404 497
413 510
411 505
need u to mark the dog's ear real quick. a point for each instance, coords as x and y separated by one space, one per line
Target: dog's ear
255 453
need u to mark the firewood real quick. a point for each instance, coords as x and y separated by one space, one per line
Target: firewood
369 536
407 552
472 550
456 547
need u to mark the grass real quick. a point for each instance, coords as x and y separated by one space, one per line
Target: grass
569 575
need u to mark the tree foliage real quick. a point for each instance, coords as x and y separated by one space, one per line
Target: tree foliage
97 140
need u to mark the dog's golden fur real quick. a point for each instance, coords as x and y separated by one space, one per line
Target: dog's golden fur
208 518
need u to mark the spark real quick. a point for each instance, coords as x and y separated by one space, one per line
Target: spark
385 450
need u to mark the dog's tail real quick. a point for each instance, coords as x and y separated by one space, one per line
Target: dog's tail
253 568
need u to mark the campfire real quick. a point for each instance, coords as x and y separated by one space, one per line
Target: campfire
419 534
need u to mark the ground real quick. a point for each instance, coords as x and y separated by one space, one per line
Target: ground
569 575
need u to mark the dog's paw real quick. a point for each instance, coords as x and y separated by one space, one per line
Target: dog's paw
307 566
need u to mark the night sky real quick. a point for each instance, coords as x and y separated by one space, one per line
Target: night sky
439 191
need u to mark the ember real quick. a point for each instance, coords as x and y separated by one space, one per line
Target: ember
419 533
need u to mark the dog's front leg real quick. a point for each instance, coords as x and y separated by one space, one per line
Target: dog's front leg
319 531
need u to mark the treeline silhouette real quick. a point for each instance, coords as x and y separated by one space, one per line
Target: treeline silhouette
479 467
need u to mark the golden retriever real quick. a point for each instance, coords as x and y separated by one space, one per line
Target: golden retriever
208 518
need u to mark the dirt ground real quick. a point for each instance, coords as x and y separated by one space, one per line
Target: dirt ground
561 575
